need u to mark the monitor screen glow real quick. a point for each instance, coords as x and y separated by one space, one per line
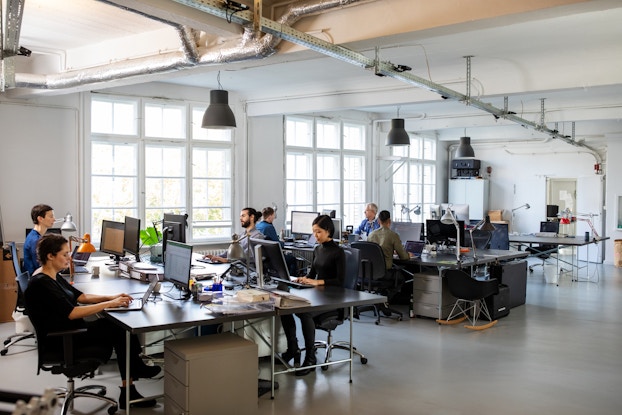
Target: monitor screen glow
301 222
177 264
112 238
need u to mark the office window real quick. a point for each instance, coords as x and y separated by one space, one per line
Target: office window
414 182
325 166
167 163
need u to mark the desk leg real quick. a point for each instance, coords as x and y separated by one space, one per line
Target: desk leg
272 351
127 371
351 340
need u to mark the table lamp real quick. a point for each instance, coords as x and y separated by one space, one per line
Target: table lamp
483 225
85 246
68 224
448 218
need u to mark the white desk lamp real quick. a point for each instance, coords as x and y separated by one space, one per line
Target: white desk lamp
68 224
448 218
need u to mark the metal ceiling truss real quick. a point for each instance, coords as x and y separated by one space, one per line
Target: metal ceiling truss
244 17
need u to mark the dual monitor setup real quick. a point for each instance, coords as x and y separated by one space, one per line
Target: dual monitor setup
121 238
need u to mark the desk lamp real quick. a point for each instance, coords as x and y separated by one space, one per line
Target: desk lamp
448 218
68 224
483 225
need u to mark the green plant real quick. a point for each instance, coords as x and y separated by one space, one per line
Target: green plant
150 236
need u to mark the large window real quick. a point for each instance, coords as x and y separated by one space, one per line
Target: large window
325 166
165 164
414 180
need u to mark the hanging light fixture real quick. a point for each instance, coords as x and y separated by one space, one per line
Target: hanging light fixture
464 150
397 134
218 114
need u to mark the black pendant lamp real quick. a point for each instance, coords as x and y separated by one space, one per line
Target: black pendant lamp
464 149
397 134
218 114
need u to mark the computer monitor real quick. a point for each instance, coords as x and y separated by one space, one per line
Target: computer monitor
408 231
460 211
131 237
273 258
302 222
177 265
112 239
438 232
500 237
329 212
337 223
175 227
549 226
435 211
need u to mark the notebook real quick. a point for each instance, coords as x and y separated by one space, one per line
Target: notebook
414 247
137 303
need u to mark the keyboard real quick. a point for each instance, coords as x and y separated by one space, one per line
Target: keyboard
291 283
546 234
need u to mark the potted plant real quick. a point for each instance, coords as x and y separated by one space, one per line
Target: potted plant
151 238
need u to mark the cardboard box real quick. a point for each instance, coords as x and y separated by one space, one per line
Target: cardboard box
8 290
495 215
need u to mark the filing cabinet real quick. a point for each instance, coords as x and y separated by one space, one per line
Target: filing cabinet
210 374
430 294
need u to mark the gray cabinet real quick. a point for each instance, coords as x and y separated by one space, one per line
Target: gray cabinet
431 297
210 374
473 192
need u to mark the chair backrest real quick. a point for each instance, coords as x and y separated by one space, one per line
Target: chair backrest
353 260
462 286
15 256
22 283
481 238
372 261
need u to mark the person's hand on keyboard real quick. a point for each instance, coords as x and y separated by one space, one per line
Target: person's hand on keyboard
308 281
215 259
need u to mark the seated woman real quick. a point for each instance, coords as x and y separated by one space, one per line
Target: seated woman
327 268
55 305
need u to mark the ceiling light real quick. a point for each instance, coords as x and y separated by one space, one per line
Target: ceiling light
464 149
218 114
397 134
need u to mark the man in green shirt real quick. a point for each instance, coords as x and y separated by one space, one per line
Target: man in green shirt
388 240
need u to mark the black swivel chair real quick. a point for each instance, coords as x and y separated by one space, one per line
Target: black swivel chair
544 251
27 331
330 320
71 363
375 277
471 295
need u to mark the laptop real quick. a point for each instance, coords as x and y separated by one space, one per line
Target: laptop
137 303
290 283
414 247
79 261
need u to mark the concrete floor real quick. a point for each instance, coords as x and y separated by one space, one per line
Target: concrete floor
558 354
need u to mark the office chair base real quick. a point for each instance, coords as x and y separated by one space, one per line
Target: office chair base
69 394
16 338
341 345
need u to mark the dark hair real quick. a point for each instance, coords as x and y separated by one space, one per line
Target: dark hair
267 211
252 212
384 216
326 223
49 243
39 210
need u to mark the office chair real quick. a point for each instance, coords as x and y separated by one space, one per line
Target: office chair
375 277
23 327
470 294
544 251
70 363
330 320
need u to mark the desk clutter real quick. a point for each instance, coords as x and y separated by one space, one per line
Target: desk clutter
140 271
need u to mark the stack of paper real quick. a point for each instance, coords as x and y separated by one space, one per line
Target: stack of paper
283 299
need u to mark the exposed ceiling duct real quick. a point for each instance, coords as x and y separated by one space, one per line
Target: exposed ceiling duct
247 48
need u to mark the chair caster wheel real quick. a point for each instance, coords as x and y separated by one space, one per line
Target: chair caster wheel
377 323
113 410
3 352
399 318
324 368
363 360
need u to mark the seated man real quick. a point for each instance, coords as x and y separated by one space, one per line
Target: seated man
388 240
370 223
269 232
248 218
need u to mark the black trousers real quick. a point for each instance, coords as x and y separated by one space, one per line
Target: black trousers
308 331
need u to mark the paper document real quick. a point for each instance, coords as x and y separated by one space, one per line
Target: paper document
283 299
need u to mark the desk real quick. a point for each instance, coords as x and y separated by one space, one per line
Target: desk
179 314
561 241
431 290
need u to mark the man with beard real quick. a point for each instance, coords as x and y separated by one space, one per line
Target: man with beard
248 218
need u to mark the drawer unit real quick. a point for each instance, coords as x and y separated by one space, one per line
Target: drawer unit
210 374
431 298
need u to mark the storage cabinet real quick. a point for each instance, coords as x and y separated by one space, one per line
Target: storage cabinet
514 275
431 297
473 192
214 374
8 286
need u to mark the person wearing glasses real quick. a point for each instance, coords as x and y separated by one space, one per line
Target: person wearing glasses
370 223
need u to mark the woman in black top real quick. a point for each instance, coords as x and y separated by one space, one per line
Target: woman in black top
327 268
55 305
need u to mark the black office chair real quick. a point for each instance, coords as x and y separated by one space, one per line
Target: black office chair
470 294
23 327
330 320
544 251
375 277
72 363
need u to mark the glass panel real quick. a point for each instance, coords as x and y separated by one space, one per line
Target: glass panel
165 121
328 135
204 134
114 117
298 132
299 165
353 137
